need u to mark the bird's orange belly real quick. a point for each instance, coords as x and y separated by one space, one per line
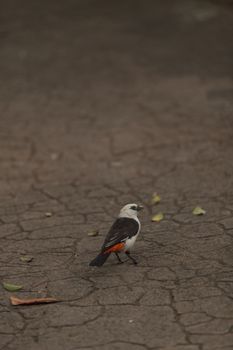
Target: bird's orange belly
116 248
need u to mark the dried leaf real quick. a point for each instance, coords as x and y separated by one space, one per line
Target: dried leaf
26 258
198 211
93 233
11 287
32 301
155 199
157 218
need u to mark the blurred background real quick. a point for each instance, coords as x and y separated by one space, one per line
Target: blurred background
109 90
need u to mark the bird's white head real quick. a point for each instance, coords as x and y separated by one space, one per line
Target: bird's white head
130 211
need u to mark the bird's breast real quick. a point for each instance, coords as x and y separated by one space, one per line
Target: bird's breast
129 243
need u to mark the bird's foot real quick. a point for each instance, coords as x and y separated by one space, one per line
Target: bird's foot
119 259
131 258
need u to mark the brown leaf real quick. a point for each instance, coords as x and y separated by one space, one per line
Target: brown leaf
32 301
199 211
93 233
155 199
26 258
158 217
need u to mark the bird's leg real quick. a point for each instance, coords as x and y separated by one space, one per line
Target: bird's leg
131 258
118 258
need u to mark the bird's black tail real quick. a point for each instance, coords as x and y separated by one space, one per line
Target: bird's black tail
100 259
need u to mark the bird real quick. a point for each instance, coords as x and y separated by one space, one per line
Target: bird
121 236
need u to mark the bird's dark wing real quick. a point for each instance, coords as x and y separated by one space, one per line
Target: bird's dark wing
122 229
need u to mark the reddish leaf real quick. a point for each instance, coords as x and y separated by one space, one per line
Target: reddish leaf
32 301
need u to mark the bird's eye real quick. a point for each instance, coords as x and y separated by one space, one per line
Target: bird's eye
133 207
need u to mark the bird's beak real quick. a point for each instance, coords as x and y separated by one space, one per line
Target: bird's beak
139 207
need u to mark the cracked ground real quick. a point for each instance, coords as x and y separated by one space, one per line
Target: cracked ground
104 103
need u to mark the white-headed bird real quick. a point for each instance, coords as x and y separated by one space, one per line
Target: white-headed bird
121 236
